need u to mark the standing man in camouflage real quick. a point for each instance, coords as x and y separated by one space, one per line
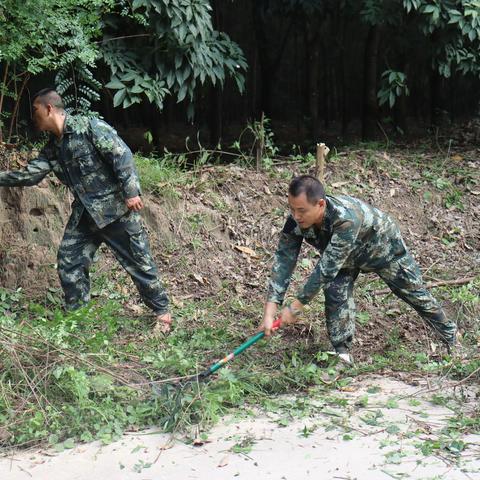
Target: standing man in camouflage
353 237
88 156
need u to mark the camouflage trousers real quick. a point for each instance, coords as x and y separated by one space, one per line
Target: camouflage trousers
404 279
128 240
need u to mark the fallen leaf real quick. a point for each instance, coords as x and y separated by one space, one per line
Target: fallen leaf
392 192
198 278
223 462
457 158
339 184
347 389
246 250
239 289
178 303
198 442
136 309
168 445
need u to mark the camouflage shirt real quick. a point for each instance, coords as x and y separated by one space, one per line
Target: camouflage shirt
93 161
353 235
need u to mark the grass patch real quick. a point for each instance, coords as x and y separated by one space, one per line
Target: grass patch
86 375
66 378
162 176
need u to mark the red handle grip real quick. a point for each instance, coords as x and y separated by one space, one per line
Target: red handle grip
277 323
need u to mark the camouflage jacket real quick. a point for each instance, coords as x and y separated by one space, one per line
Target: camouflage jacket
93 161
353 235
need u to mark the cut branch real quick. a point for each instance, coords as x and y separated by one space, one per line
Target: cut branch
322 152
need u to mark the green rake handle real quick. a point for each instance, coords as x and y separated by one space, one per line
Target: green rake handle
238 350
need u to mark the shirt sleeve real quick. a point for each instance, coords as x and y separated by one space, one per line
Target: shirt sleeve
334 256
35 171
116 152
284 263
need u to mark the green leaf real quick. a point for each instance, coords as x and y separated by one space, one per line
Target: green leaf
129 76
392 403
115 84
119 97
391 99
136 89
182 93
170 78
178 61
69 443
392 429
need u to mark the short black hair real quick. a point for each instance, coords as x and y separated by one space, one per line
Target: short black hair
49 96
308 185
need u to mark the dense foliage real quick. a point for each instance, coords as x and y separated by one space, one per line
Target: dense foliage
317 64
170 47
44 35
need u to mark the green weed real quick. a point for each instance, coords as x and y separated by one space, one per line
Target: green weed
164 175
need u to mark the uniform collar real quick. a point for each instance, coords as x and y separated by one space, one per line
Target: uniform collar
328 218
67 126
67 130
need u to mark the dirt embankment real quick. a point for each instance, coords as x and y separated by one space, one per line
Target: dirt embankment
215 236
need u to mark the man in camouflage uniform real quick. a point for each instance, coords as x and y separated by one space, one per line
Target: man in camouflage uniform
353 237
88 156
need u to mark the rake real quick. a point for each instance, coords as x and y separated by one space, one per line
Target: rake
217 365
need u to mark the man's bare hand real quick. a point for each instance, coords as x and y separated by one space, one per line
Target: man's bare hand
135 203
290 314
268 318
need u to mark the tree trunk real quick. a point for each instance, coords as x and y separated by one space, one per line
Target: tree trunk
370 106
269 62
436 103
314 84
298 83
215 117
400 111
215 122
342 80
325 89
264 103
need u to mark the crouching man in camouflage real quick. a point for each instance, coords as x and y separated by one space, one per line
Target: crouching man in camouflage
88 156
353 237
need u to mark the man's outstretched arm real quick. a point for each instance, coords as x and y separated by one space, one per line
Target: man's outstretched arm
33 173
283 265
